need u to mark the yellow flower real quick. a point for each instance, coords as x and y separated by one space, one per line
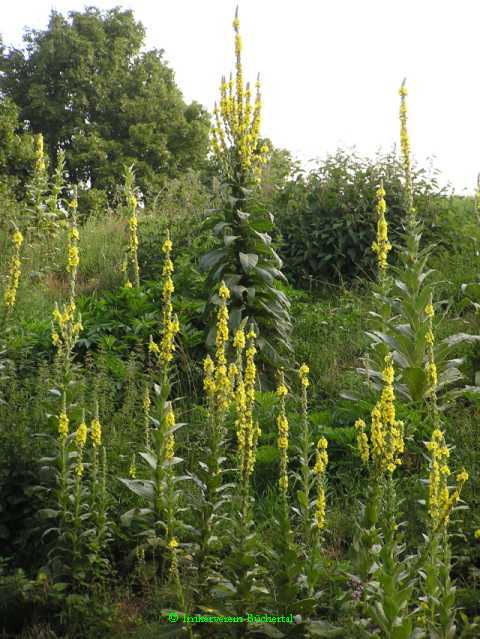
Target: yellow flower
172 544
429 337
73 257
96 432
239 339
170 447
303 374
63 423
462 476
322 457
431 371
81 435
223 292
153 347
17 239
429 312
477 533
282 391
170 418
167 246
79 469
128 284
320 509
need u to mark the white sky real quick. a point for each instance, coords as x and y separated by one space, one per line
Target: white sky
330 69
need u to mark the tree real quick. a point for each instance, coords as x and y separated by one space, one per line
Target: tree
86 84
16 149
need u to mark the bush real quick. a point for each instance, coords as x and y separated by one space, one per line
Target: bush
328 219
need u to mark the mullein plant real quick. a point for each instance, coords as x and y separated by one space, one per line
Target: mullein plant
383 570
44 212
311 496
244 571
66 326
406 297
130 264
38 189
245 258
99 534
209 476
9 300
437 611
160 517
14 272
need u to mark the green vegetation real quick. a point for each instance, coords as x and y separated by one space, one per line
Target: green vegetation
184 429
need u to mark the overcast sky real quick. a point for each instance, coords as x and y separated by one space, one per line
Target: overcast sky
330 69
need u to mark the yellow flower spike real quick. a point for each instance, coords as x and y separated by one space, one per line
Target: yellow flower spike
239 339
405 150
236 121
79 469
172 544
303 372
320 509
386 432
282 439
431 371
208 381
429 311
462 476
477 533
17 239
170 440
381 246
96 432
81 435
63 423
362 441
14 272
282 391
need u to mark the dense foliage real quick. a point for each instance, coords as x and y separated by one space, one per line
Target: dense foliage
327 217
86 84
152 465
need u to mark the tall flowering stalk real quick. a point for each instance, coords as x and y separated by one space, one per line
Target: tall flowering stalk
236 131
66 323
282 442
131 196
437 611
406 155
146 415
79 469
381 246
386 433
385 580
320 471
248 430
14 272
218 387
245 259
38 188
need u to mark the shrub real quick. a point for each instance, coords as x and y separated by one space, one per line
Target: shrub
327 218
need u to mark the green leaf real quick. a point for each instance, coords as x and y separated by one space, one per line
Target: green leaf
150 459
248 261
142 488
416 380
211 259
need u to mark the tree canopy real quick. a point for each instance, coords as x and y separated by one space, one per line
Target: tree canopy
86 83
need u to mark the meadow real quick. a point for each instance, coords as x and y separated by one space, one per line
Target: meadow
246 407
